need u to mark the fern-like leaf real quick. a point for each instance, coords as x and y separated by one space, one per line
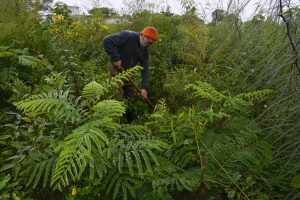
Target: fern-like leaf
47 173
33 174
93 90
29 61
256 95
205 90
41 169
7 73
56 104
109 108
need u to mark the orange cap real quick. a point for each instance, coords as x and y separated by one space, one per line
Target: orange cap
150 32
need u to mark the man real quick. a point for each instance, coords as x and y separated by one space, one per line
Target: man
126 49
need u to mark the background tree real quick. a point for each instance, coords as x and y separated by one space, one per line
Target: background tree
61 8
103 11
217 15
166 12
46 4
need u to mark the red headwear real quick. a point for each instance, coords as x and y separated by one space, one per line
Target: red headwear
150 32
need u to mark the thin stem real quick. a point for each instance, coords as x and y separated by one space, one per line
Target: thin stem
202 166
202 174
289 35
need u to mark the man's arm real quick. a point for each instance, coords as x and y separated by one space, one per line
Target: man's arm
112 41
145 75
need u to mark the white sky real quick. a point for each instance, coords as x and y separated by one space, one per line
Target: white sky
205 7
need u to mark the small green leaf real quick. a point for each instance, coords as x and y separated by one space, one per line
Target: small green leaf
8 166
7 152
4 181
27 119
48 88
174 137
49 80
46 61
16 171
296 181
165 130
61 82
231 194
4 137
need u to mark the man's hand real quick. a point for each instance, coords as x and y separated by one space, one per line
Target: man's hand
118 63
144 93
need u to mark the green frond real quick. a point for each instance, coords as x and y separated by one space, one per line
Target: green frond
100 167
7 73
25 75
29 61
117 187
110 175
112 181
21 51
5 54
109 108
131 179
246 149
211 138
129 163
130 72
238 104
68 166
187 184
194 60
129 187
134 130
138 162
124 191
205 90
153 156
119 78
3 49
41 169
256 95
33 174
120 162
237 124
84 146
152 144
93 90
56 104
47 172
147 162
131 152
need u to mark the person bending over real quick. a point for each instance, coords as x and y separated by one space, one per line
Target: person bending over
126 49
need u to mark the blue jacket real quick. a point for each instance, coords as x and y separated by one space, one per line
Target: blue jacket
125 46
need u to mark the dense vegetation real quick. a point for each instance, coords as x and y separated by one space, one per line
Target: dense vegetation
227 102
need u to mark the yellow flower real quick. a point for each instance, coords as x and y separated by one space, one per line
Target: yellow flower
74 192
105 27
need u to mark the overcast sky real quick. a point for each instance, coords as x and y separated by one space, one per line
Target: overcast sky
205 7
